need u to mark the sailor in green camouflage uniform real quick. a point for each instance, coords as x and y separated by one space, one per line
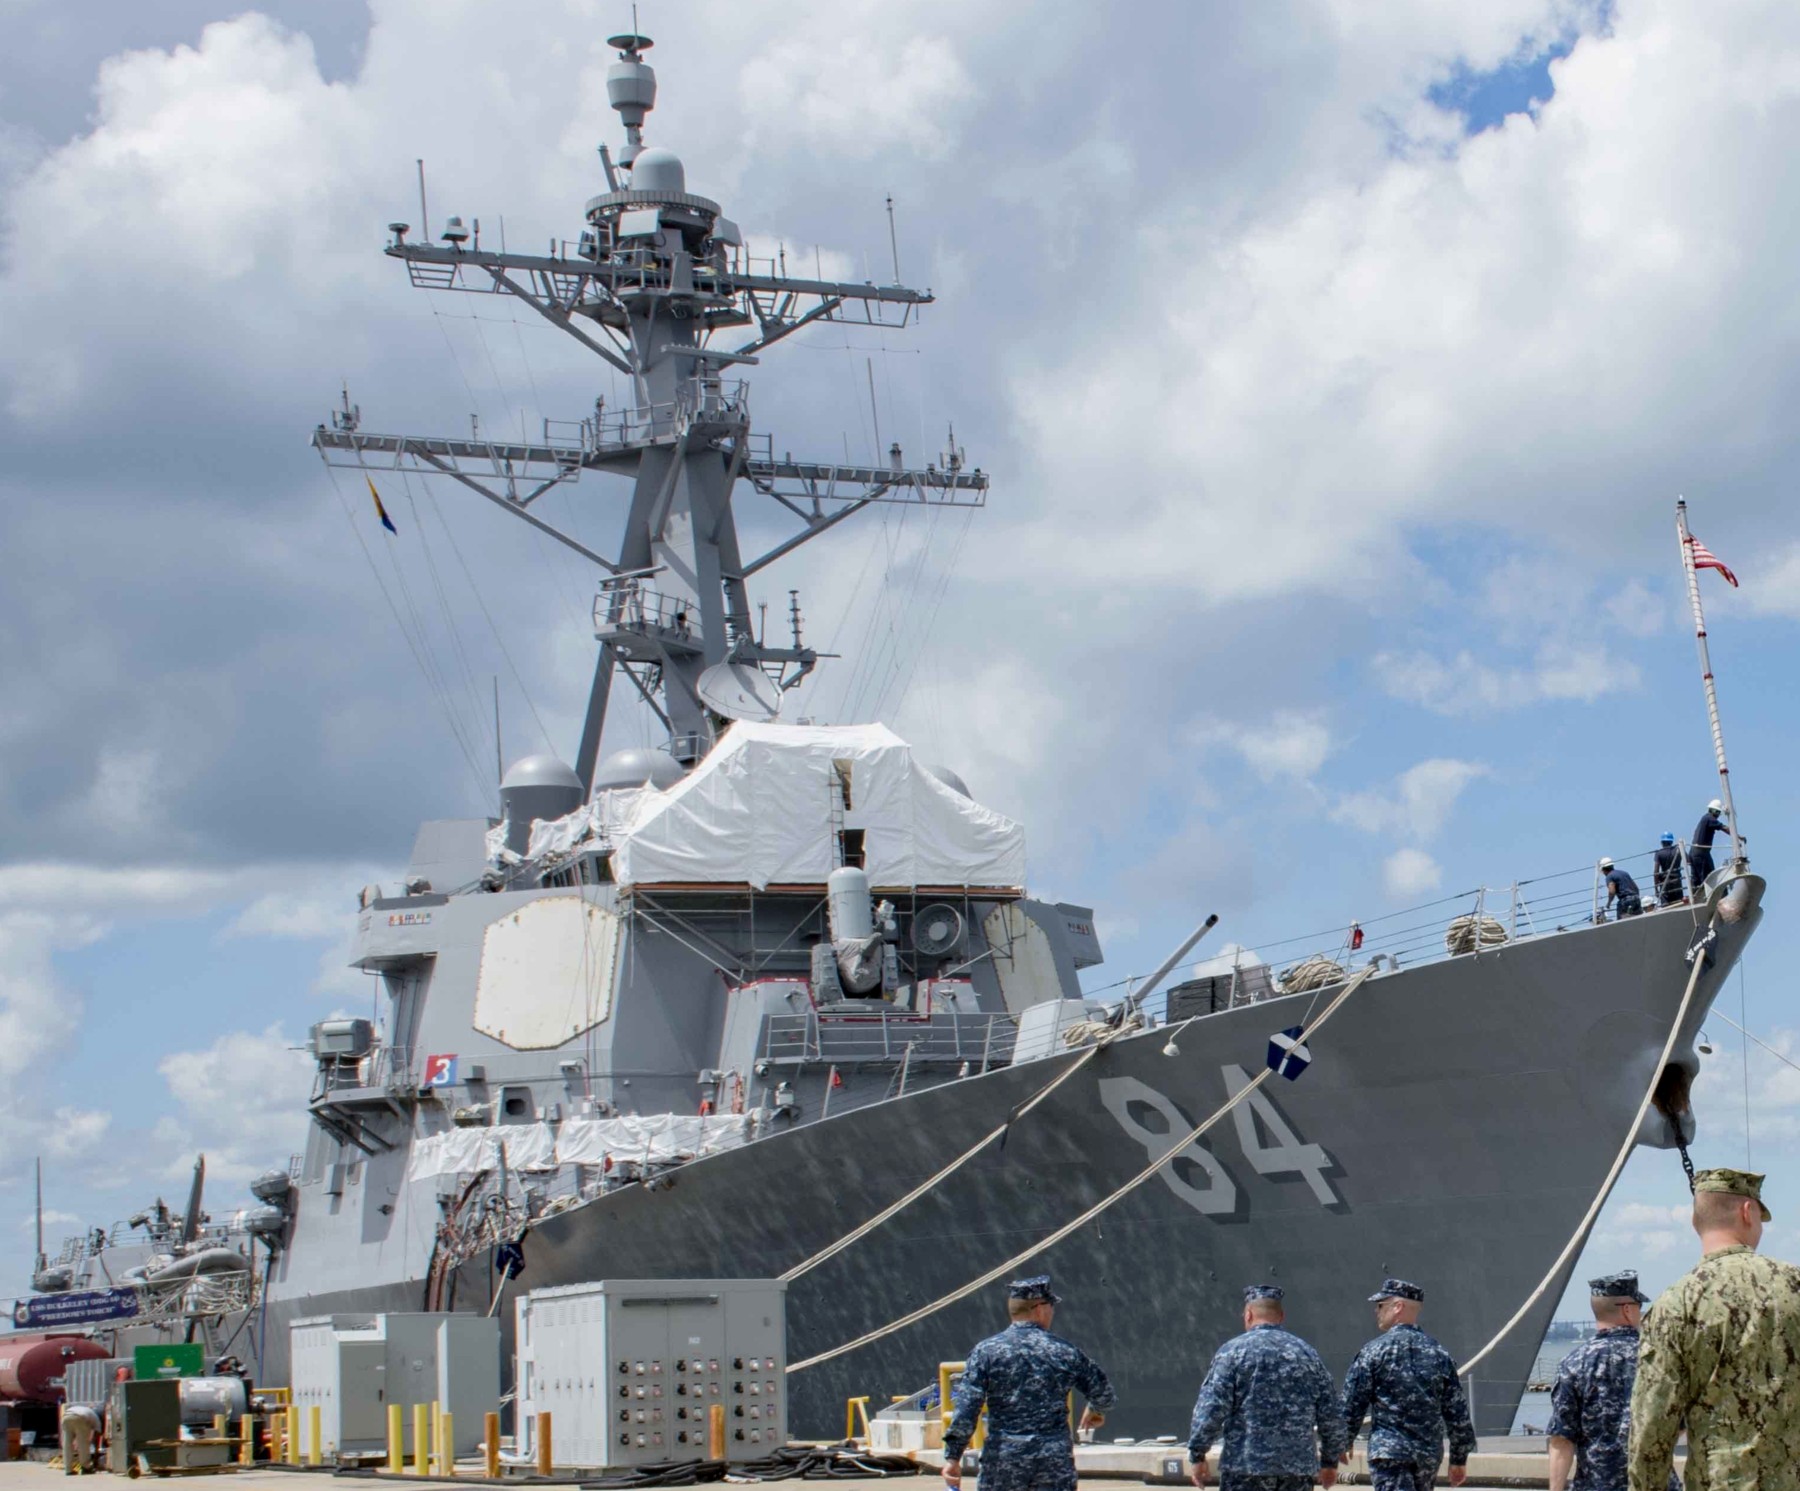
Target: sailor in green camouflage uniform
1721 1356
1024 1376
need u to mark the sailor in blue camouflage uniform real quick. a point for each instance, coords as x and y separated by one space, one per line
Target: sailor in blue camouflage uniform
1407 1385
1590 1403
1269 1397
1024 1376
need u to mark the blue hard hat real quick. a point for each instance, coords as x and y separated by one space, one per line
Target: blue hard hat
1668 838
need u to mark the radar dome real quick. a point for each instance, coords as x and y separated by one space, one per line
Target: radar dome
536 787
949 778
658 170
638 768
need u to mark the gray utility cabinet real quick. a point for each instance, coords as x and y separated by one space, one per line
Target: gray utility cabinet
629 1369
353 1366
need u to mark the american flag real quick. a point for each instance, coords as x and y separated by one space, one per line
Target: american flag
1704 558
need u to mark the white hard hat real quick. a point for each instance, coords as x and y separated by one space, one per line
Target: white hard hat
1715 806
1605 864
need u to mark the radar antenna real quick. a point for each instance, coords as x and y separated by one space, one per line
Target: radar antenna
662 287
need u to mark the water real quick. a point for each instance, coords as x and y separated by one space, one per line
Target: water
1534 1408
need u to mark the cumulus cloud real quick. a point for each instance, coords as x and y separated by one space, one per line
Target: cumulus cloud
1410 872
1416 806
1289 745
242 1102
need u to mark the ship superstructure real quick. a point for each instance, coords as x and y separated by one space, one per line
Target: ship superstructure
703 1010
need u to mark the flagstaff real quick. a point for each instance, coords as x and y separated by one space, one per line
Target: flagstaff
1692 570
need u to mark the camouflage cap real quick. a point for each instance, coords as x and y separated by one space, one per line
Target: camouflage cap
1618 1286
1746 1183
1035 1290
1397 1289
1254 1292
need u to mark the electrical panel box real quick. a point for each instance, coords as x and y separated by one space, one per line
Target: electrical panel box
630 1370
353 1366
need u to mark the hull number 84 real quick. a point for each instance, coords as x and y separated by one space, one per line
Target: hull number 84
1202 1179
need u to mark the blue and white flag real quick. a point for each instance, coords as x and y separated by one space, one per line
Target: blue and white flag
1286 1054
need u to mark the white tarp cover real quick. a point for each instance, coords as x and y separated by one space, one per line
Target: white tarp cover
759 811
658 1137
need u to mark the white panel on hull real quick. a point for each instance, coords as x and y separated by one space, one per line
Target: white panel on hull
547 972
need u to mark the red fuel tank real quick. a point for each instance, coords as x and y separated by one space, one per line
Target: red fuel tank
29 1364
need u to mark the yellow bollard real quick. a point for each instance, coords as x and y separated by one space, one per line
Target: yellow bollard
290 1432
490 1432
715 1432
396 1426
421 1440
247 1440
446 1448
544 1456
437 1436
315 1432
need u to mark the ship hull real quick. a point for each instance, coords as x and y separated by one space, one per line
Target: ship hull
1464 1116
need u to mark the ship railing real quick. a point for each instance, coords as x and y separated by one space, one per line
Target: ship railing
387 1068
627 604
1472 923
944 1039
708 400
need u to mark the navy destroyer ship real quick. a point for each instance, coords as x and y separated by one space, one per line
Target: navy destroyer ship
710 1009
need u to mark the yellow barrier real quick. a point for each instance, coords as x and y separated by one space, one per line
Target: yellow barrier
421 1439
545 1458
490 1436
290 1434
315 1434
715 1432
247 1440
396 1432
851 1407
947 1409
446 1443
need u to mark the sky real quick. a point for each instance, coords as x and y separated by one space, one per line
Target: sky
1336 368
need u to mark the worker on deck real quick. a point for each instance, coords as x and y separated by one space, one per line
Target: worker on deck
1272 1405
1406 1384
1024 1376
1622 889
1700 860
1666 875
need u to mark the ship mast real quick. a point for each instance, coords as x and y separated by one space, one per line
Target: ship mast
661 287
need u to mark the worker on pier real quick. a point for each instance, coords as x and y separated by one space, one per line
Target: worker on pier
80 1435
1721 1356
1405 1383
1666 875
1269 1398
1700 860
1590 1402
1621 888
1024 1375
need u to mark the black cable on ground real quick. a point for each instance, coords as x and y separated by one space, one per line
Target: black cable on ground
822 1463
